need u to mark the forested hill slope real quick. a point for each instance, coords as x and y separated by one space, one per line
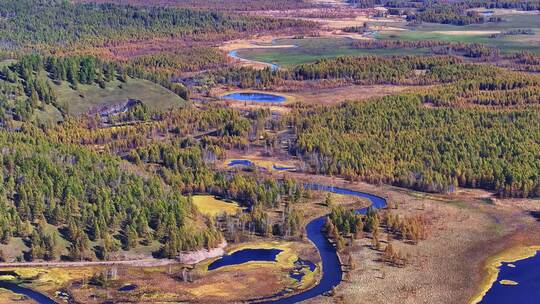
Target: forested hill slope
66 200
42 23
34 85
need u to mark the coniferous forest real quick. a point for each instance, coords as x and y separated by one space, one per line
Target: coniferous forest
156 136
100 183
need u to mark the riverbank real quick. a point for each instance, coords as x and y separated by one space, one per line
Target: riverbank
466 228
494 263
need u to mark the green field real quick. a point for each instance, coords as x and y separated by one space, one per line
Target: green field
77 102
514 43
510 21
313 49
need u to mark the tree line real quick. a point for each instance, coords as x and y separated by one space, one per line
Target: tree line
397 140
57 23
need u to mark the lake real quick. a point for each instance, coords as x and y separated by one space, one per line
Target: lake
245 256
240 162
255 97
526 274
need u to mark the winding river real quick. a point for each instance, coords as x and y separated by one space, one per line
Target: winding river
331 274
331 266
234 54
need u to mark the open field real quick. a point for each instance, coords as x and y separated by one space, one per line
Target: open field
507 44
50 114
86 97
312 49
317 96
478 33
347 93
210 205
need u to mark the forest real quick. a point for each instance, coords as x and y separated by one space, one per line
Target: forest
97 211
397 140
526 5
31 83
360 70
56 24
447 12
230 5
96 185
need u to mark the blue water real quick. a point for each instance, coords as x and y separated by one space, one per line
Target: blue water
234 54
283 168
331 268
527 276
36 296
244 256
299 265
240 162
255 97
129 287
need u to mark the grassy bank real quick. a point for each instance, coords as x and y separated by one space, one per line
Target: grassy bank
494 263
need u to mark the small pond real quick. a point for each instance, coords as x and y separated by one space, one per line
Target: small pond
525 273
255 97
128 287
244 256
240 162
283 168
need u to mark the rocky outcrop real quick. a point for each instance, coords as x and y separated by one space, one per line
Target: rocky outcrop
194 257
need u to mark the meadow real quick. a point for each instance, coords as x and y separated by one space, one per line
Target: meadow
312 49
477 33
85 97
210 205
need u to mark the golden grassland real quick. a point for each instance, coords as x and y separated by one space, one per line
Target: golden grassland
7 296
212 206
493 264
49 279
161 283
